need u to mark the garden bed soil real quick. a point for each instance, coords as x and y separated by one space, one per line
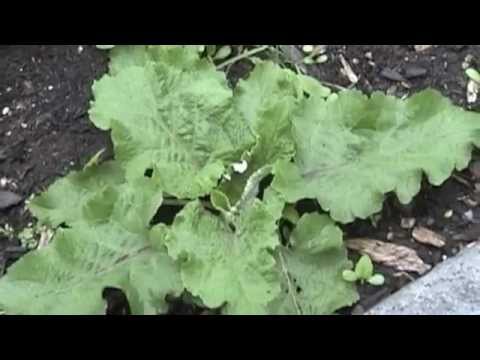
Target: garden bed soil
46 133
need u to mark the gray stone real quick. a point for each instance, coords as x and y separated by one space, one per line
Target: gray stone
414 71
452 288
8 199
390 74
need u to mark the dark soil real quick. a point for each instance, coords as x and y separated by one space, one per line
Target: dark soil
442 65
47 134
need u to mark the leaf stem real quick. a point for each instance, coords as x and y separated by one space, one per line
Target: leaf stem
291 289
179 202
244 55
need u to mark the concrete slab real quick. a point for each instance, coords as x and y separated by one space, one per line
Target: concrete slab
451 288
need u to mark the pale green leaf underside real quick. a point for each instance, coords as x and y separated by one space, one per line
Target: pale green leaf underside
311 271
228 266
174 115
354 150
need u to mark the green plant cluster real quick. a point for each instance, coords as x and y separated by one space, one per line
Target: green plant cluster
182 136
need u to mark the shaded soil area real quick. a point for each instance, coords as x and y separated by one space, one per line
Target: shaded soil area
45 133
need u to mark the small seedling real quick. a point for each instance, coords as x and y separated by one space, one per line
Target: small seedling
473 75
364 273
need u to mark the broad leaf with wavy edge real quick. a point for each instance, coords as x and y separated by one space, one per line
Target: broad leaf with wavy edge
107 245
267 101
66 198
224 264
173 113
354 150
311 270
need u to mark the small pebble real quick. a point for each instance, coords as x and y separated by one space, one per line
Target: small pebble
468 215
414 72
6 111
369 55
470 202
448 214
23 125
473 89
80 49
50 88
407 223
8 133
9 199
308 49
322 59
459 47
475 169
467 62
392 90
390 74
420 48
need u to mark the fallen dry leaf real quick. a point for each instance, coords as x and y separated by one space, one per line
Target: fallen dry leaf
428 237
396 256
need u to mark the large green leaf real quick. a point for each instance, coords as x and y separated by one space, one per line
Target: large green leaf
173 114
354 150
267 101
107 244
311 269
68 276
226 263
66 198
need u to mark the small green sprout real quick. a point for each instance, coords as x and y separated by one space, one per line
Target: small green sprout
364 273
473 75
